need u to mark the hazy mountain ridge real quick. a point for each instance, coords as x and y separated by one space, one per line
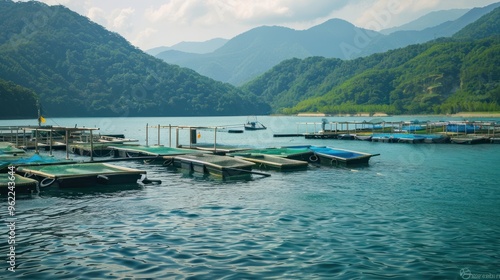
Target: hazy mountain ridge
257 50
78 68
191 47
251 53
429 20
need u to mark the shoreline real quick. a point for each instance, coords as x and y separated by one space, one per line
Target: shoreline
456 115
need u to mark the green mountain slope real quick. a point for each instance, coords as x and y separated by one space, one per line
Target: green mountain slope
443 76
77 68
17 102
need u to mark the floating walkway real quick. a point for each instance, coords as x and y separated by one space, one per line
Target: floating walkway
402 132
268 162
81 175
340 157
20 184
125 151
223 167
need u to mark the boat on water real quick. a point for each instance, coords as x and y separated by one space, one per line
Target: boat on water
81 175
263 161
339 157
363 137
470 139
254 125
301 153
223 167
19 184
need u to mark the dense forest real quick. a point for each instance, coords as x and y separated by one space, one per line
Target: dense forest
77 68
443 76
17 102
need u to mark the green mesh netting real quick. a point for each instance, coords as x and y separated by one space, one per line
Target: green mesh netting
275 151
68 170
18 180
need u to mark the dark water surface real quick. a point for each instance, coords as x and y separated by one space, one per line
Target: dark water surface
419 211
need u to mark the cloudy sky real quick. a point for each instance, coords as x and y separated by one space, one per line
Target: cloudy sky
152 23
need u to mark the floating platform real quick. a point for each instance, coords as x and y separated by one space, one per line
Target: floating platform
409 138
216 149
321 135
289 135
470 140
7 148
301 153
495 140
267 162
29 160
20 184
339 157
96 149
82 175
137 150
223 167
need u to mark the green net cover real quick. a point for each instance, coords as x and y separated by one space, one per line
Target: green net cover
18 180
222 161
10 150
69 170
275 151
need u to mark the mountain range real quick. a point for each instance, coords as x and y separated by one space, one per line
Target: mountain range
431 19
77 68
251 53
446 75
191 47
73 67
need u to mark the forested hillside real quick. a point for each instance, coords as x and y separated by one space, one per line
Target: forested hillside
443 76
17 102
77 68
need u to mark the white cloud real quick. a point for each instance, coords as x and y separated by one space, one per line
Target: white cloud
151 23
97 15
121 18
144 36
257 11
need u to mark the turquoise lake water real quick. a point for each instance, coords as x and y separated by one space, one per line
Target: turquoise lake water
418 211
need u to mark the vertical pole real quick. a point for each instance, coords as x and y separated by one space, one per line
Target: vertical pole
158 134
36 141
67 143
169 135
177 137
17 132
91 146
50 147
147 126
215 140
24 138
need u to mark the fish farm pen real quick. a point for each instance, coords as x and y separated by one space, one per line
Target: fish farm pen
20 146
459 132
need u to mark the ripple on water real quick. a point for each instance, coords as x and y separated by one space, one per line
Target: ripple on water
322 223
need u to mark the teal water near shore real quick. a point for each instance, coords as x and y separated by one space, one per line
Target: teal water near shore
418 211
